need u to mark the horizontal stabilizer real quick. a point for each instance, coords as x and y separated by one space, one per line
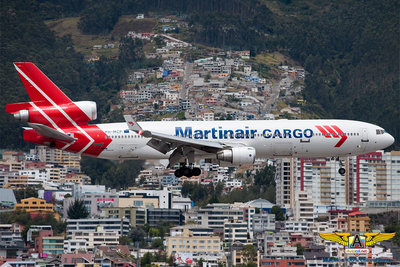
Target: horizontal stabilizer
46 131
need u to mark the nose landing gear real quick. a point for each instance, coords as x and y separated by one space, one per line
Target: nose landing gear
341 170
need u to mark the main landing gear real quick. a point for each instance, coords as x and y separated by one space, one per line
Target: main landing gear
187 171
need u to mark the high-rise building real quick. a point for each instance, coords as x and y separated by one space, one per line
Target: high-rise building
368 177
284 182
303 208
64 158
392 161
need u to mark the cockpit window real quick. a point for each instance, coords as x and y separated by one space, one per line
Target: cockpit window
379 131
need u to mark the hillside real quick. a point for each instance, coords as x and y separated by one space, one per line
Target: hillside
350 49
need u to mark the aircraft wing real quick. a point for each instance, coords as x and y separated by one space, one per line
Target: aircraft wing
165 142
46 131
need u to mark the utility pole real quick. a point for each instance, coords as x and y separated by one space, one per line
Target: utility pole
137 254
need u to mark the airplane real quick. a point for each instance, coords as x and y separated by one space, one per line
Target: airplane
56 121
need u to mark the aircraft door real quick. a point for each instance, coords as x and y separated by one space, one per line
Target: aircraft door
364 139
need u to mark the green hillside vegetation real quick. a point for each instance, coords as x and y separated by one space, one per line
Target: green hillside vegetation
83 43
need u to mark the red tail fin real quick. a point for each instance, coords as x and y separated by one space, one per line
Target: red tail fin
39 87
49 105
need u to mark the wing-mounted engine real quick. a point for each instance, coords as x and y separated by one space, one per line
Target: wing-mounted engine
81 112
238 155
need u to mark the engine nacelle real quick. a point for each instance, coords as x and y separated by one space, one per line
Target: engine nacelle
238 155
89 108
34 115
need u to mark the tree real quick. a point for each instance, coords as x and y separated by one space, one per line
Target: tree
153 232
157 243
77 210
146 259
300 249
137 234
279 215
25 193
124 240
249 252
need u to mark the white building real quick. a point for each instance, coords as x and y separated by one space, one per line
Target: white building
392 161
303 206
263 222
182 203
72 245
236 231
99 237
296 226
164 196
214 215
369 177
121 226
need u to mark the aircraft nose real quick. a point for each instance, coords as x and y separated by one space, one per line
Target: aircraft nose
389 140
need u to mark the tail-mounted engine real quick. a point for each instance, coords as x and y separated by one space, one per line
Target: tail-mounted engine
80 112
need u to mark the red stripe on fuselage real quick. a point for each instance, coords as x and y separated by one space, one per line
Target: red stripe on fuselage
341 133
322 130
101 141
331 131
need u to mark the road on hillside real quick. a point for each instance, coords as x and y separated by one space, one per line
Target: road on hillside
186 83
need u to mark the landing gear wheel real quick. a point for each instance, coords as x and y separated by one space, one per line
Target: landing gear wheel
196 171
342 171
179 173
187 172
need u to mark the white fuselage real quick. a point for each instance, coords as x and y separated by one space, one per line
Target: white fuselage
270 138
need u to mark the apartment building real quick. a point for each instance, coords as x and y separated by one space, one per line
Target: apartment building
284 182
296 226
358 222
303 206
164 196
49 245
263 222
120 225
136 216
392 160
188 243
236 231
56 156
34 204
369 177
139 201
282 261
171 216
74 245
99 237
214 215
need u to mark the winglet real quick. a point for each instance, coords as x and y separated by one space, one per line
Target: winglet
134 126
